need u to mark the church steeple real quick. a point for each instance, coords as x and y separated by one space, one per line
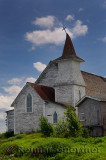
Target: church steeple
69 51
69 81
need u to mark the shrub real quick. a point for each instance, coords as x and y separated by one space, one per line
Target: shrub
45 126
74 124
85 132
61 129
9 134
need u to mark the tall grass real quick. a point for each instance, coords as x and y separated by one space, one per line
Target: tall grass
37 147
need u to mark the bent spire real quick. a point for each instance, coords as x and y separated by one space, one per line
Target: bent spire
68 48
69 51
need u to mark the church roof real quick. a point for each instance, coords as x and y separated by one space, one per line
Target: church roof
89 97
69 51
46 93
95 85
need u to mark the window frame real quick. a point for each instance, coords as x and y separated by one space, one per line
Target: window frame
80 95
82 120
26 103
55 121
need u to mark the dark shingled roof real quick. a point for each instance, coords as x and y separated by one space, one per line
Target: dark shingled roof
88 97
95 85
69 51
46 93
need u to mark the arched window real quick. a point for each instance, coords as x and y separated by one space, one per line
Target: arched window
29 103
79 95
55 117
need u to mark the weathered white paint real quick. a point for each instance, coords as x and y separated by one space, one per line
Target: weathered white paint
50 108
27 122
10 120
69 73
69 81
48 76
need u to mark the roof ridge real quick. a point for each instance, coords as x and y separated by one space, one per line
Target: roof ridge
69 51
93 74
39 85
45 92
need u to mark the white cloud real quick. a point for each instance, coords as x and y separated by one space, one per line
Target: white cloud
39 66
55 35
79 29
10 94
13 90
80 9
15 81
5 101
40 37
30 79
69 17
47 22
103 39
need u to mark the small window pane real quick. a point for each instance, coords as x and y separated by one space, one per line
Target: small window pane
79 95
29 103
55 117
82 117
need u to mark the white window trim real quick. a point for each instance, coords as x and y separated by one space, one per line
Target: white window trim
80 95
26 103
53 118
82 120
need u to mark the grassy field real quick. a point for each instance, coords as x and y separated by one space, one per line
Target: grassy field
36 147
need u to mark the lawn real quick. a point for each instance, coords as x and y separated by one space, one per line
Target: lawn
37 147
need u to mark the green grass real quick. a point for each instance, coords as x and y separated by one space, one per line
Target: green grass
37 147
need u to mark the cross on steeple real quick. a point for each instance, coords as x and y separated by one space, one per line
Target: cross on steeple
69 51
64 29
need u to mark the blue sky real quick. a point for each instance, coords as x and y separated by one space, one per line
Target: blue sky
31 35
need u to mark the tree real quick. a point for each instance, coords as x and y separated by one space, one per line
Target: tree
45 126
73 122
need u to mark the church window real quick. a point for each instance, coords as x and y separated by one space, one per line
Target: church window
29 103
82 117
55 117
79 95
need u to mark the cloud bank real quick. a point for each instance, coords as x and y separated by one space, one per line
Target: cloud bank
39 66
46 22
12 91
9 94
54 35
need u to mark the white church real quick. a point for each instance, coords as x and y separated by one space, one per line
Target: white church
61 83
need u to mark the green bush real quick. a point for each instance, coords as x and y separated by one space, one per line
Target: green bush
69 126
61 129
74 124
85 132
9 134
45 126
